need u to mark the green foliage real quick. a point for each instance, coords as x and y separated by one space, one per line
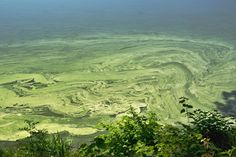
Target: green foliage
31 126
178 142
139 135
134 134
208 134
214 126
185 106
41 143
7 153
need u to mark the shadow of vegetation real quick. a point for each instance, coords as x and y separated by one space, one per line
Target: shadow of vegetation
229 105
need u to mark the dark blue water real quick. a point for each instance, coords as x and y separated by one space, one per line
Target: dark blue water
40 19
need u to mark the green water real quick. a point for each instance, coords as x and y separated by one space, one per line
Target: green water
73 64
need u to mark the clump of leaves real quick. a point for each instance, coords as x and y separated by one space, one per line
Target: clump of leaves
132 135
179 142
7 152
213 125
41 143
139 135
186 107
207 134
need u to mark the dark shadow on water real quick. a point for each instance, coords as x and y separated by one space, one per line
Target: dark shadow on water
229 105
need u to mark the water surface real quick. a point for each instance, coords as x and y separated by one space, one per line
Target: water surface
40 19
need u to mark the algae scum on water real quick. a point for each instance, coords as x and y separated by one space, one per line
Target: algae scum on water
74 84
71 64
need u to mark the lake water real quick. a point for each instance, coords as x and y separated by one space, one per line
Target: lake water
40 19
89 60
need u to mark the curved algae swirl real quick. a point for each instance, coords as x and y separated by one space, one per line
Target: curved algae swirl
84 81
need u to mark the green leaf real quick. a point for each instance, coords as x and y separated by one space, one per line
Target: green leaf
182 111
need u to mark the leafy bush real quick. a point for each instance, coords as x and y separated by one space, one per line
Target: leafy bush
207 134
139 135
41 143
179 142
134 134
211 124
215 126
